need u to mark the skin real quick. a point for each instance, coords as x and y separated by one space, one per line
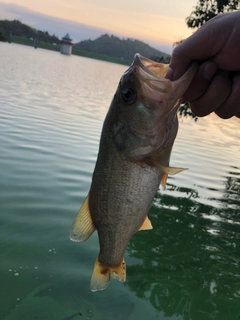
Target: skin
216 47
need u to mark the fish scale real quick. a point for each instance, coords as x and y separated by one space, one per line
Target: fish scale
130 189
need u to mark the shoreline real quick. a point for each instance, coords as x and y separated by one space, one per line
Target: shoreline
75 51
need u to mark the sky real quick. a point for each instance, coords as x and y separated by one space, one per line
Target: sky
159 23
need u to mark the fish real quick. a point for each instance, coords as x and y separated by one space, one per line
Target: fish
133 160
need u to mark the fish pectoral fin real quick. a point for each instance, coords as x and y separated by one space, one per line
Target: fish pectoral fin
83 226
102 274
166 169
169 170
164 180
147 225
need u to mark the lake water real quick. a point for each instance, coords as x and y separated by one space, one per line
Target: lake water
52 108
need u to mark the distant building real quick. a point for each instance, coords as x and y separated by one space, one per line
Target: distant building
66 45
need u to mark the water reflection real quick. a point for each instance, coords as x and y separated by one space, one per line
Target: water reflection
188 266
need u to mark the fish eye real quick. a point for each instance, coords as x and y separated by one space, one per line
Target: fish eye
128 95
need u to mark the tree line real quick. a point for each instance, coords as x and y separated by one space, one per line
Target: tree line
18 28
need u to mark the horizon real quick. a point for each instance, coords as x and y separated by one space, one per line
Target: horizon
44 17
102 35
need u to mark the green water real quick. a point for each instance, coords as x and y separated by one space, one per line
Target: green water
187 267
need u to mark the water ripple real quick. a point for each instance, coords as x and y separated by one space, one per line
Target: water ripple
187 267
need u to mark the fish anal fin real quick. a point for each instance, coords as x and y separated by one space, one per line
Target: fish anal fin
83 226
147 225
164 180
102 274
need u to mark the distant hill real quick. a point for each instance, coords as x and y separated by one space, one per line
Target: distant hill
125 48
104 46
23 30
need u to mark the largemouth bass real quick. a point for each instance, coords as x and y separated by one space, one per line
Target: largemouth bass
133 159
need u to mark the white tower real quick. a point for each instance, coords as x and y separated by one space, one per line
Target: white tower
66 45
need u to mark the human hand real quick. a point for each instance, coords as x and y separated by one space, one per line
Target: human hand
216 86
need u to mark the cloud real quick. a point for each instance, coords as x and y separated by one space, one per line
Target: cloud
57 26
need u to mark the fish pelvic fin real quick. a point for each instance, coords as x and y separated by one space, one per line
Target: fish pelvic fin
147 225
102 274
83 226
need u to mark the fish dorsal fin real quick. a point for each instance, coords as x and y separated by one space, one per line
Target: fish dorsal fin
164 180
147 225
102 274
83 226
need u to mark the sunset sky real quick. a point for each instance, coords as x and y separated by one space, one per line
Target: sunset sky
157 22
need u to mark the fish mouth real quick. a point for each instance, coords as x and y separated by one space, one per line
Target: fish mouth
153 74
152 68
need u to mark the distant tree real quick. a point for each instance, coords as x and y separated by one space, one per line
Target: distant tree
161 59
208 9
3 36
23 30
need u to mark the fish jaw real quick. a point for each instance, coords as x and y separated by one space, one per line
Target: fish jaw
153 73
165 93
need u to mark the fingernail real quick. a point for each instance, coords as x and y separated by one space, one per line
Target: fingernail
169 74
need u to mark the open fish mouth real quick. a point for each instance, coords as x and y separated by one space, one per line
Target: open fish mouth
153 73
151 67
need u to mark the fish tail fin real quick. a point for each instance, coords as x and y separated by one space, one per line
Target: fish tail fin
102 274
